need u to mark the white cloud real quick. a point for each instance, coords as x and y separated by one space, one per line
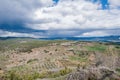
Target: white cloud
15 34
114 3
68 14
94 34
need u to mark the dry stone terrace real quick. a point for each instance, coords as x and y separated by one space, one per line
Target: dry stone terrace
42 54
55 57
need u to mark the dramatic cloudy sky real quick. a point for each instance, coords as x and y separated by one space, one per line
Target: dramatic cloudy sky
59 18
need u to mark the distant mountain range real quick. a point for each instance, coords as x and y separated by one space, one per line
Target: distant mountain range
102 39
6 38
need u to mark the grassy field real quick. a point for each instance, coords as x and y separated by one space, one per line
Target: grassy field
101 48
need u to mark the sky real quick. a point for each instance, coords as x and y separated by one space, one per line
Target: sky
59 18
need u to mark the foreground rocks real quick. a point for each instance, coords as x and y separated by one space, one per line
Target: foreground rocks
101 73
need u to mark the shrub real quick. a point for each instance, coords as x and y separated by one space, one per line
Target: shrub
32 60
46 51
11 75
65 71
118 69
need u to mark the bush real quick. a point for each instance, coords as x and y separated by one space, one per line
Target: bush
46 51
49 74
65 71
32 60
12 75
118 69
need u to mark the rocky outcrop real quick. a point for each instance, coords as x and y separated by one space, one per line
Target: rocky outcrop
101 73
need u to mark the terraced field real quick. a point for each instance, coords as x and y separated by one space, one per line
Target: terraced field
29 59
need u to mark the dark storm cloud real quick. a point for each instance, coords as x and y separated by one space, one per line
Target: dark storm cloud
14 14
18 10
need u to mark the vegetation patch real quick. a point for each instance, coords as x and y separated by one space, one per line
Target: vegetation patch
49 74
77 58
96 48
46 51
117 46
32 60
118 70
13 75
25 45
